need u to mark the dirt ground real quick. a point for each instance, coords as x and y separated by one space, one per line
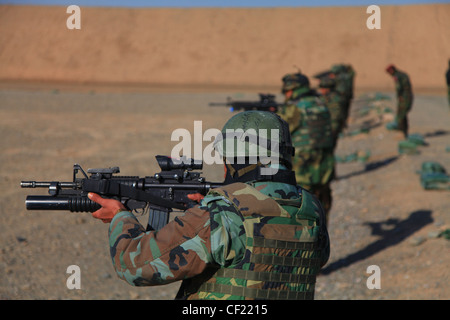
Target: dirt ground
380 216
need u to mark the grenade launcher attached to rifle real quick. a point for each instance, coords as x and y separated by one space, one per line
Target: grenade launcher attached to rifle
266 103
159 194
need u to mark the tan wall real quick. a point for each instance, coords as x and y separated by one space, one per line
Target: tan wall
227 46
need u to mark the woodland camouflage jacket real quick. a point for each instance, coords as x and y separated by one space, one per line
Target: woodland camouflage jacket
217 234
403 85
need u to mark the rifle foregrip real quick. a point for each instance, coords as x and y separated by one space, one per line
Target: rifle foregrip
73 204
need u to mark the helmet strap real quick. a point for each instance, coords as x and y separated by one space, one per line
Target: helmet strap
248 173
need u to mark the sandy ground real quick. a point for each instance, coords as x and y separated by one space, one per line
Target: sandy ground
380 216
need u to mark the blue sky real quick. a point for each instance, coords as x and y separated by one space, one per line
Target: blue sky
220 3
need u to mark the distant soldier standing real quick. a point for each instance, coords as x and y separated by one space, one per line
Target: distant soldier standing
404 98
310 127
335 104
447 75
344 76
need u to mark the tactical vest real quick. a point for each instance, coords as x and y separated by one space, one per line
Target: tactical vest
284 243
314 131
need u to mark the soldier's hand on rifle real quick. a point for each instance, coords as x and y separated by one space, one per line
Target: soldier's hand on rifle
197 197
109 209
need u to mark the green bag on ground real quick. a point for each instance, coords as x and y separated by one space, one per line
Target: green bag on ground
418 139
445 234
433 176
392 125
407 147
432 167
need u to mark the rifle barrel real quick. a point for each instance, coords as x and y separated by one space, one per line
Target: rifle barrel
218 104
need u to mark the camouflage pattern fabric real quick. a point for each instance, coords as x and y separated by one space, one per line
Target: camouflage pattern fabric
313 162
335 104
309 122
295 81
179 250
448 95
344 75
447 78
282 243
314 171
344 79
219 234
404 100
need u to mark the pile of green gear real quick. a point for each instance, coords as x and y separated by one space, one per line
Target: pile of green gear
361 156
409 146
445 234
433 176
373 102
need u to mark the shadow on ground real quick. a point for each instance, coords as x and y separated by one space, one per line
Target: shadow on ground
391 231
371 166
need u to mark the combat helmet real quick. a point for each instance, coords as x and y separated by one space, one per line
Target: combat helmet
338 68
255 137
327 82
293 81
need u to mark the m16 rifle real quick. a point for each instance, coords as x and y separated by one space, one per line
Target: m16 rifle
266 103
158 194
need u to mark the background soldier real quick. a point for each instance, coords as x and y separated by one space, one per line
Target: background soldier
310 126
247 239
335 104
447 76
344 76
404 99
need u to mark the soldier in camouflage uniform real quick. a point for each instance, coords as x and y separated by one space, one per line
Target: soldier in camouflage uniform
447 77
258 237
344 76
335 104
310 126
404 99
